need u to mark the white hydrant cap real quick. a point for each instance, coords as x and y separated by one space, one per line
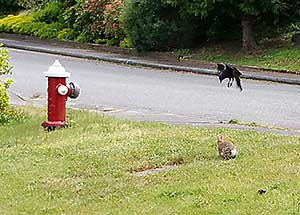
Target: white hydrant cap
57 71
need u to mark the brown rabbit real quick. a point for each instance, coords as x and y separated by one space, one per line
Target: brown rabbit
226 149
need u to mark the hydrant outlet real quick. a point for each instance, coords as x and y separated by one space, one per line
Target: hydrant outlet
62 90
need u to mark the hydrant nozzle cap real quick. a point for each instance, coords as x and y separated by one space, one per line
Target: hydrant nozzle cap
57 70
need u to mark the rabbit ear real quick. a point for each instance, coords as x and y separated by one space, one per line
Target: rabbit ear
221 138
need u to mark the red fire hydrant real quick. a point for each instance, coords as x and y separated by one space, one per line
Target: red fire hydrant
58 92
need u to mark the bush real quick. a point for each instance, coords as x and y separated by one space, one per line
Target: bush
4 85
7 113
4 99
24 24
67 34
29 28
143 26
89 17
13 23
94 19
82 21
52 12
81 38
156 25
125 43
48 31
112 21
85 21
32 4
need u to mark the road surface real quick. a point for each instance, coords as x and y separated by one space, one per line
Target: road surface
155 95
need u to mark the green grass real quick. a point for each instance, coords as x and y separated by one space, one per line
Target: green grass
272 58
87 169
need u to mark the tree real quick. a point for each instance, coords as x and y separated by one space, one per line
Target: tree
250 13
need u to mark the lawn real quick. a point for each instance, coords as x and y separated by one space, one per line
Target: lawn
89 168
277 58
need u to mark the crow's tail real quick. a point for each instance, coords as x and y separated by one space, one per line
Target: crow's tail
237 74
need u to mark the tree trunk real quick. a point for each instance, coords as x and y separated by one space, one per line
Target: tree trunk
249 43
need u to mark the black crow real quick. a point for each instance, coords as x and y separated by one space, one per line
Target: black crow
230 72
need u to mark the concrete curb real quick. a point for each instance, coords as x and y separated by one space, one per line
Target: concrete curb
137 62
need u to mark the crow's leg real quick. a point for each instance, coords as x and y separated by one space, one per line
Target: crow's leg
229 84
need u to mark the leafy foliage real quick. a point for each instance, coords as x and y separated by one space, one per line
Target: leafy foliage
157 25
7 113
149 25
112 19
50 13
24 24
34 4
4 85
95 19
4 65
66 34
8 6
30 4
89 14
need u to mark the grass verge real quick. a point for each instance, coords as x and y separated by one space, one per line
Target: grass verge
87 169
282 58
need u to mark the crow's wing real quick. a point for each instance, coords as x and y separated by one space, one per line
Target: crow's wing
236 72
226 73
236 75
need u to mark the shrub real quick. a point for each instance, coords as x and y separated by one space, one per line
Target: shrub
89 16
48 31
29 28
4 65
31 4
125 43
4 85
24 24
52 12
156 25
67 34
81 38
7 113
96 19
12 23
101 41
69 17
4 99
112 21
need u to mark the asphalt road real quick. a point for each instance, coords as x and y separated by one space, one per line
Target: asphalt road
154 95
